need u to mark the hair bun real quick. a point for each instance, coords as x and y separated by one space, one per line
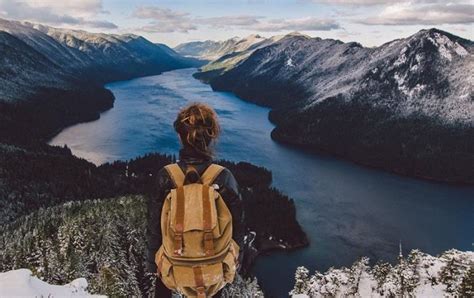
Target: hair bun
197 127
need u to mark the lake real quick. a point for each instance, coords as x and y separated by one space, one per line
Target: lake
347 210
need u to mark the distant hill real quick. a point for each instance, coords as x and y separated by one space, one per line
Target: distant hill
406 106
213 50
52 77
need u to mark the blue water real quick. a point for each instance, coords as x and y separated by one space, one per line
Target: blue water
347 210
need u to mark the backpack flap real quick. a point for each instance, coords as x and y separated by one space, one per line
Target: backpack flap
194 205
193 221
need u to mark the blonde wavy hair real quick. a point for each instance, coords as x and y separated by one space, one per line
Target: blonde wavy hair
198 127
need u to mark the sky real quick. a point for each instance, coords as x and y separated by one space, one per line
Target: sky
370 22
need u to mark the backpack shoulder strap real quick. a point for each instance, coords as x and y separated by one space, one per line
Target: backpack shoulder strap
176 174
211 173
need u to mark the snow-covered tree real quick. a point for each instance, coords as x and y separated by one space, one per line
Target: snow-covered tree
417 275
301 281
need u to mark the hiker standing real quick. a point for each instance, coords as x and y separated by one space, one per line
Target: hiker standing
195 215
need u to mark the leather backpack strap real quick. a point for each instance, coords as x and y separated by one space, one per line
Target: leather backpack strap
176 174
199 280
179 221
207 221
178 177
211 173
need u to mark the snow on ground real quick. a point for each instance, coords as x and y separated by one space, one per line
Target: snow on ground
416 275
21 283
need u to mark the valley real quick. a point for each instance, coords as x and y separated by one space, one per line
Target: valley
345 210
84 115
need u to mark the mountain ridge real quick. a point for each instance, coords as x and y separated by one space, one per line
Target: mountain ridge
405 106
52 77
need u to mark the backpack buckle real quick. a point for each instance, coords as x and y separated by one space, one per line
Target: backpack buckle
201 292
178 244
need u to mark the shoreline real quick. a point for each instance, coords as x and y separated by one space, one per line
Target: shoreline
313 149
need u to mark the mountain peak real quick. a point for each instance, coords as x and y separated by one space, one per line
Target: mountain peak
296 33
435 32
447 44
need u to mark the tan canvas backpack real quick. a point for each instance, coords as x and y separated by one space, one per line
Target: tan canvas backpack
197 257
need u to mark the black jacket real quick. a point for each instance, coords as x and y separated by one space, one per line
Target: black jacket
160 186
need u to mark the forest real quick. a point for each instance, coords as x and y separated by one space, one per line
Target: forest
99 240
36 179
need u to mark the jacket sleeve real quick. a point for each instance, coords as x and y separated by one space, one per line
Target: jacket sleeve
231 194
157 188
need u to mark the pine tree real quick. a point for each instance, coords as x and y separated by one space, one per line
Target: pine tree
466 288
301 281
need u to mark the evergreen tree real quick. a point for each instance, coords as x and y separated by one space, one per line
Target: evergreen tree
466 289
301 281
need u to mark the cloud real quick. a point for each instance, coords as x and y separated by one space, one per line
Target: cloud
302 24
231 21
260 23
377 2
428 14
51 12
164 20
163 27
84 7
159 14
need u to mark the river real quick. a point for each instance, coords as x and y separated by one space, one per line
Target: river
347 210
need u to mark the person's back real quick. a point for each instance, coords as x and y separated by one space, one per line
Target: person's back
197 128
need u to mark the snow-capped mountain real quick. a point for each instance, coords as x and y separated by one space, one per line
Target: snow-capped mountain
403 106
417 275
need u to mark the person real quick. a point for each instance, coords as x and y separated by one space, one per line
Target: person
197 128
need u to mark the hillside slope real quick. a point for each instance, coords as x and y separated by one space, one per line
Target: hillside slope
406 106
51 78
47 176
102 241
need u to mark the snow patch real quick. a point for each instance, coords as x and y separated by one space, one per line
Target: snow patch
402 58
446 47
289 62
21 283
417 275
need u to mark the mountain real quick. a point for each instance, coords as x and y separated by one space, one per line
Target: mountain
450 274
51 78
212 50
231 59
406 106
208 49
105 57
